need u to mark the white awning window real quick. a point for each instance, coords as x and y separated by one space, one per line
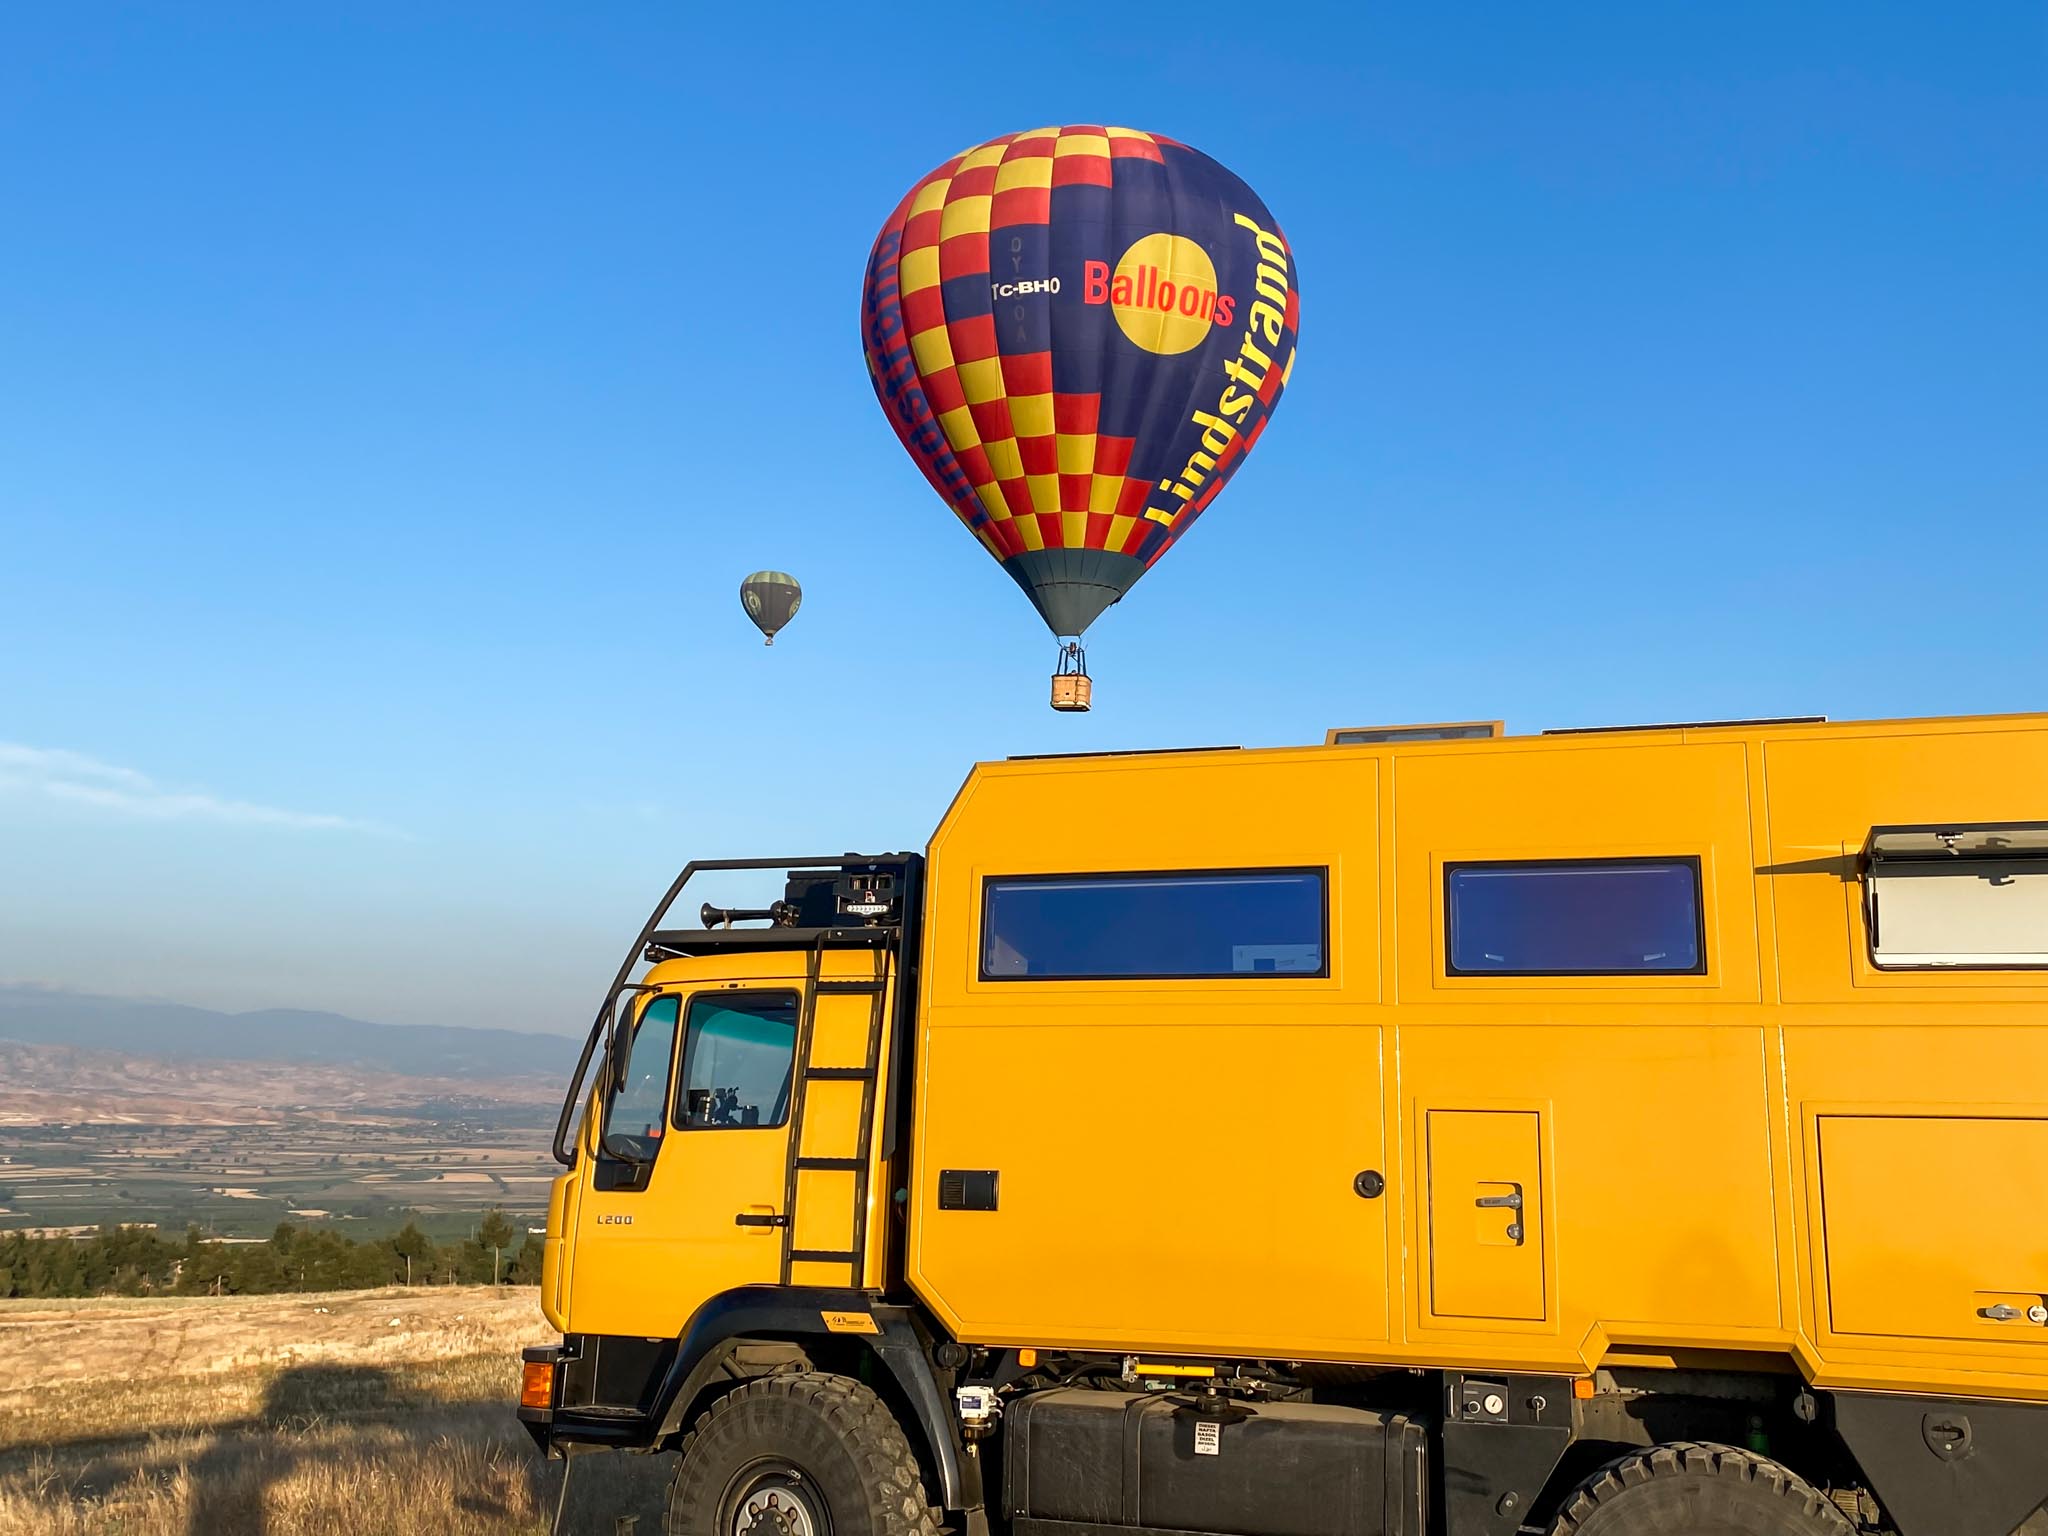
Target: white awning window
1972 895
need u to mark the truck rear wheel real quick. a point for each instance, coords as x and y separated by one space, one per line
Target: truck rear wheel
805 1454
1698 1490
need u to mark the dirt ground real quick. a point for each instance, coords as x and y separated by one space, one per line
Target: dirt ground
48 1342
364 1413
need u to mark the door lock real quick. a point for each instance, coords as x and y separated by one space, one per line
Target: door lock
1508 1202
2005 1312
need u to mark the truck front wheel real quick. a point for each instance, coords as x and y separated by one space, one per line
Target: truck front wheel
803 1454
1698 1490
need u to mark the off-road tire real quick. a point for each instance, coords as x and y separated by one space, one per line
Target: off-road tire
1696 1489
842 1441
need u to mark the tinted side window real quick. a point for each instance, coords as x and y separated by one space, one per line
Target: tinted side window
1586 917
737 1054
1076 927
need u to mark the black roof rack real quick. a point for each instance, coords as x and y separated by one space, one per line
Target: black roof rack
1688 725
1046 757
673 943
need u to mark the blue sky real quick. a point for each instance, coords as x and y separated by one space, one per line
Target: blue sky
391 398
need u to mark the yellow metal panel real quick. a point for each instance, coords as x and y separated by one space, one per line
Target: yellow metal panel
633 1247
1828 791
1931 1222
556 1248
1105 1211
831 1119
1509 800
824 1210
1701 1251
1486 1214
839 1032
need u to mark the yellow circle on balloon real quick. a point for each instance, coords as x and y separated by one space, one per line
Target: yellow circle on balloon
1164 294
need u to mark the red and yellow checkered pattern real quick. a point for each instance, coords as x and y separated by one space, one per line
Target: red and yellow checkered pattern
1034 459
1047 404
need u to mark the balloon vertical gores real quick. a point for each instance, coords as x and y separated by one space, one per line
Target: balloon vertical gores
771 599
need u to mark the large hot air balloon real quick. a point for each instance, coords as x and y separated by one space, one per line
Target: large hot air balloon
771 599
1078 333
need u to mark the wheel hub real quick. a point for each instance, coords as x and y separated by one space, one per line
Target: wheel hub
778 1504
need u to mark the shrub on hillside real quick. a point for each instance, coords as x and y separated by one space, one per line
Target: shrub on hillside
136 1261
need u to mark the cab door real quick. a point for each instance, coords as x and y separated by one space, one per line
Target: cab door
686 1165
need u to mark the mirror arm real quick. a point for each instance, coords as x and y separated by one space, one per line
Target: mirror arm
565 1154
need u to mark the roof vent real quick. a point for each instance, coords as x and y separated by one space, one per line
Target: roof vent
1382 735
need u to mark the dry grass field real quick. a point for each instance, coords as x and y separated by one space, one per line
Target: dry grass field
362 1413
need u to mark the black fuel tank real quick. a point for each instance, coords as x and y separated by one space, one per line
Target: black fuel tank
1074 1457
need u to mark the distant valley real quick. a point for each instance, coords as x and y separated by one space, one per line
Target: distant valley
114 1109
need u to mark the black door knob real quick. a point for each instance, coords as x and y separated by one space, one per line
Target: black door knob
1369 1185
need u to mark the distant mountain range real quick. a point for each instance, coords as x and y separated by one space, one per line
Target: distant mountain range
174 1032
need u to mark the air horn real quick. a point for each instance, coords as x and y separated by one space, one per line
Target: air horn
781 914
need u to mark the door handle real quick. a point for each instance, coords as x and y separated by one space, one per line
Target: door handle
1508 1202
2005 1312
760 1219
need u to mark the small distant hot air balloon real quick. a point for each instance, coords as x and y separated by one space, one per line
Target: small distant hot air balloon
1078 333
771 599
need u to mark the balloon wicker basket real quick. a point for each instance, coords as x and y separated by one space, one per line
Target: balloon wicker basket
1071 687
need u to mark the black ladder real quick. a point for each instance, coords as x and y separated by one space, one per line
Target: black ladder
867 1075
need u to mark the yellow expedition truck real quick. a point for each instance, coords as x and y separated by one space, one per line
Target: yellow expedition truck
1603 1132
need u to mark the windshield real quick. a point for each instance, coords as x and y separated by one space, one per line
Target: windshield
637 1110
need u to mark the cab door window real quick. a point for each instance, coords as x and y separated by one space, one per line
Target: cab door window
738 1054
638 1109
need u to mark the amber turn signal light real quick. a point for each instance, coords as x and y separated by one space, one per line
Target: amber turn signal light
537 1384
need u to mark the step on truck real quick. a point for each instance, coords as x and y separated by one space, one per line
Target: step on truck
1430 1131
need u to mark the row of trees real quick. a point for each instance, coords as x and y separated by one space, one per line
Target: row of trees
136 1261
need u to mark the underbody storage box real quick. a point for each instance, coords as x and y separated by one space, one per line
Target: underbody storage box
1078 1458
